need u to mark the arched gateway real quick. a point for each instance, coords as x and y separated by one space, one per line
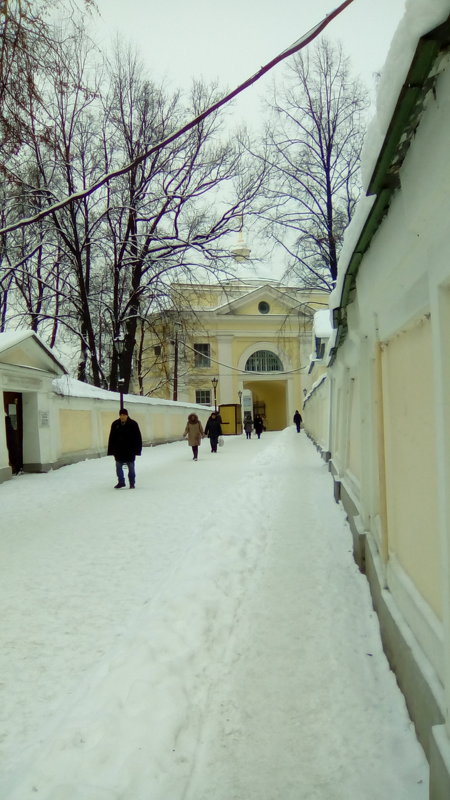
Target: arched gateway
241 334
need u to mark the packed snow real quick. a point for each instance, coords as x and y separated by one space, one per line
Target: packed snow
207 636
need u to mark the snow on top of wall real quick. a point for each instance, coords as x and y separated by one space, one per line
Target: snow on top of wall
315 386
351 237
69 387
322 324
420 17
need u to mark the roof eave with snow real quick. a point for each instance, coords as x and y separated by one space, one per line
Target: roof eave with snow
384 174
10 339
322 324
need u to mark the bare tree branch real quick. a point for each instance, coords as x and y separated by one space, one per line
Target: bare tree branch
294 48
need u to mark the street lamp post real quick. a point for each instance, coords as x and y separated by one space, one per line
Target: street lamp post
119 343
175 367
176 346
214 382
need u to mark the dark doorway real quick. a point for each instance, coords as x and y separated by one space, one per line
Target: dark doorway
12 403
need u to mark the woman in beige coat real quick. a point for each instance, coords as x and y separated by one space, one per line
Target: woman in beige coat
194 433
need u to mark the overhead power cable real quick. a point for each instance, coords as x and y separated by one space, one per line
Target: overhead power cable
306 39
245 371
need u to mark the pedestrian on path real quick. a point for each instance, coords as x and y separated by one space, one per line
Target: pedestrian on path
213 429
15 461
194 433
248 426
298 420
258 425
125 443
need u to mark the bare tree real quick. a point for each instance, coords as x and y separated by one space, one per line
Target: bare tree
168 215
313 145
26 45
63 155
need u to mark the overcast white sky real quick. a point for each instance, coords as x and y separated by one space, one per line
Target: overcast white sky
231 41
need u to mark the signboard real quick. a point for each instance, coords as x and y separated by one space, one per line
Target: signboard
43 419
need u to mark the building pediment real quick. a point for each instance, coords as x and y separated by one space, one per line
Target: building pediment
26 349
264 300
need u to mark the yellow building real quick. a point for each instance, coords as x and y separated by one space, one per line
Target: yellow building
253 336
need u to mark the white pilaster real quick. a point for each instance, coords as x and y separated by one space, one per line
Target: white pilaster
224 357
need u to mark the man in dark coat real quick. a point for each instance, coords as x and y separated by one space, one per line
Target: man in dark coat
297 420
213 429
258 425
125 443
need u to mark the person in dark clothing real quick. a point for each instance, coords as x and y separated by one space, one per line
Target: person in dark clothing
125 443
13 450
298 420
248 426
213 429
258 424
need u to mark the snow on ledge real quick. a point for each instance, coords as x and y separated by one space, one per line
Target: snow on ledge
315 386
69 387
420 17
322 324
351 236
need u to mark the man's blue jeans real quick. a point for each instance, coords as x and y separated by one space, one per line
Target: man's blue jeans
131 473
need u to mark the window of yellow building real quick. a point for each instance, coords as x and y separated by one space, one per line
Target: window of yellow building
203 397
202 356
263 361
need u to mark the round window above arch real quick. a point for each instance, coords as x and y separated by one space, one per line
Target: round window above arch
263 307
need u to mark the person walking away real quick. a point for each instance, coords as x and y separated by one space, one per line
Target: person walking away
298 420
125 443
194 433
248 426
258 425
213 429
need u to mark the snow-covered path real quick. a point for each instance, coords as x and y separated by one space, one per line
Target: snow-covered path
207 635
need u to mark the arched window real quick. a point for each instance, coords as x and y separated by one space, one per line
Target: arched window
263 361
